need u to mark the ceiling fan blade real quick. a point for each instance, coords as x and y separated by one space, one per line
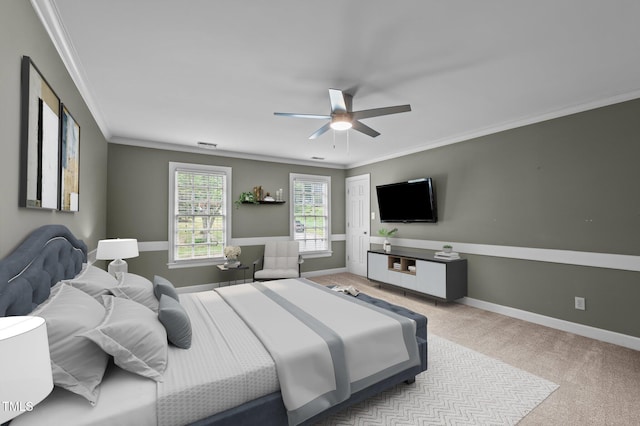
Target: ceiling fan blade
338 103
295 115
364 129
321 131
376 112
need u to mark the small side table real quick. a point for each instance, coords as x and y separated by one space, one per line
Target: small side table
240 267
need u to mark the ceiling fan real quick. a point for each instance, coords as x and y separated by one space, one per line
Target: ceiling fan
343 118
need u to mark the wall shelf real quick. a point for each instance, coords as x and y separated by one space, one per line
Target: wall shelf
264 202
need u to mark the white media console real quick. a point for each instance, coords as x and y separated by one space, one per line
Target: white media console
419 272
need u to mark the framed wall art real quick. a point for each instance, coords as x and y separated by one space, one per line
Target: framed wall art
40 140
69 162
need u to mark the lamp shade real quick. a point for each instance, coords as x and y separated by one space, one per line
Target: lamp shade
118 248
25 365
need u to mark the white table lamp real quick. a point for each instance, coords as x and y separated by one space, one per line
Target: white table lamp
116 250
25 365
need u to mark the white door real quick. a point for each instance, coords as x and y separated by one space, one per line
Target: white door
358 224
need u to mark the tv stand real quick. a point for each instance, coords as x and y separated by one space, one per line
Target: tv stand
419 272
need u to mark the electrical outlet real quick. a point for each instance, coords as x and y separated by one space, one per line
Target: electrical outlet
580 303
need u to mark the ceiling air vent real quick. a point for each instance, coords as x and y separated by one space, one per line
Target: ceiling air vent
208 145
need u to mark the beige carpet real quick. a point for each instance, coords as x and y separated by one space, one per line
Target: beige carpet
599 382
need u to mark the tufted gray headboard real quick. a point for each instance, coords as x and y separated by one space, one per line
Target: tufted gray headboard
49 254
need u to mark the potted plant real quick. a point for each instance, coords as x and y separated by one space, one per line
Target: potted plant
447 248
245 197
386 233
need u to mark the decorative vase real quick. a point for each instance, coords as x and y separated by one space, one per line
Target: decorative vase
386 246
231 263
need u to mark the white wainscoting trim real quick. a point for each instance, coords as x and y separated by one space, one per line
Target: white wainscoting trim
153 245
619 339
568 257
250 241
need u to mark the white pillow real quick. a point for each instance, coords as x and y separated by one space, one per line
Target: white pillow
77 364
136 288
134 336
93 281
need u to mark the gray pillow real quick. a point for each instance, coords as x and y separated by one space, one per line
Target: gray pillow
164 286
175 321
132 334
77 364
134 287
93 281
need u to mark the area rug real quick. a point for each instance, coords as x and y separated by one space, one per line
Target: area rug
460 387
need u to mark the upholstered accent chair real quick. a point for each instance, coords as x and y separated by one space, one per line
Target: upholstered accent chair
281 260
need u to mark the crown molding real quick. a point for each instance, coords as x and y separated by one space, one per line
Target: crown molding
514 124
220 153
48 13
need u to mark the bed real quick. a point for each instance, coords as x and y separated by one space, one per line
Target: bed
275 353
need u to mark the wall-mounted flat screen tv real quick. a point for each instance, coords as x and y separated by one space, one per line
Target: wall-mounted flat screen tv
411 201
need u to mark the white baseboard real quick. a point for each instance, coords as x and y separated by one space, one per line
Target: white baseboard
619 339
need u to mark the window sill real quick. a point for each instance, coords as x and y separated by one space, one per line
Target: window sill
194 263
316 254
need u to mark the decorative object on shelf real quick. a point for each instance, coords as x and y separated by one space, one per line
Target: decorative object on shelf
387 234
279 195
447 253
232 253
257 193
117 249
245 198
268 198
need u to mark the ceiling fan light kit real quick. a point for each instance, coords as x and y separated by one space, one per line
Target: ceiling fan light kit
341 124
343 118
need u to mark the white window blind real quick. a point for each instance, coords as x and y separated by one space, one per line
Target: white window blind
310 207
199 212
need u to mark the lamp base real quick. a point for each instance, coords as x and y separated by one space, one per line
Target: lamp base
117 266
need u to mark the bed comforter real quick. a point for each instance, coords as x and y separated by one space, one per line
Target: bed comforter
325 345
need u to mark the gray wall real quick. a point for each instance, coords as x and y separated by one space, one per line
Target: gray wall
566 184
21 33
138 207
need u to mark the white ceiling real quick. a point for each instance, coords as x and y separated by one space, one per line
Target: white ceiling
170 73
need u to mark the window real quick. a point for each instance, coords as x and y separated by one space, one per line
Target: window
199 218
310 207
